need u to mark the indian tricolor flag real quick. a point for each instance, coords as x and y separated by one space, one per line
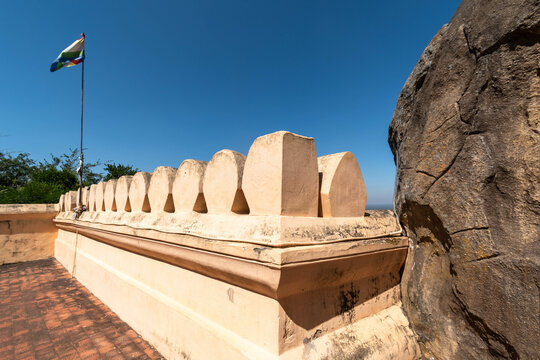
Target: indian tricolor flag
72 55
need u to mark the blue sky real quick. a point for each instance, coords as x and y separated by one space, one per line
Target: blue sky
171 80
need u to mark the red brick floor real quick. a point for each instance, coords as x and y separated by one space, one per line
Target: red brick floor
46 314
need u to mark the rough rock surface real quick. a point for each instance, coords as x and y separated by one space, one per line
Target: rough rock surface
466 141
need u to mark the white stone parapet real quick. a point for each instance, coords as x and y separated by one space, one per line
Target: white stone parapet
92 198
122 193
222 185
188 187
342 188
84 198
70 200
100 196
160 189
272 256
280 176
138 192
109 195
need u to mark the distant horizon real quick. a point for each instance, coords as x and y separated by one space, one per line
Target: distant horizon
380 207
168 82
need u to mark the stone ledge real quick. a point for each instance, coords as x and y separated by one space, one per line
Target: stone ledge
24 209
269 230
281 272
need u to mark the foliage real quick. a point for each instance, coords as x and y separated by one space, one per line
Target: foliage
34 192
15 171
50 175
114 171
70 162
23 181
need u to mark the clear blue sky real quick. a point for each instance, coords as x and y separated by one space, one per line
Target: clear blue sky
170 80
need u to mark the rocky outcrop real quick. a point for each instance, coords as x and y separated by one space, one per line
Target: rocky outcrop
466 140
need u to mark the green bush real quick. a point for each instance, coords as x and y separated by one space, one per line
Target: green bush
63 178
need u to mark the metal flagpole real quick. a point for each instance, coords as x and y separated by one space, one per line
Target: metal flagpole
81 158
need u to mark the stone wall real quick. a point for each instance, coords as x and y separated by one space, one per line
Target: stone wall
269 256
27 232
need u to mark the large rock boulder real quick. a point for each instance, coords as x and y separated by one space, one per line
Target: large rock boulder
466 142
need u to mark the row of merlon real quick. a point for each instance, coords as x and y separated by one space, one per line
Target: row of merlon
280 176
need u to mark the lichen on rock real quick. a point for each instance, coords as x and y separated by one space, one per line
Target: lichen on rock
466 141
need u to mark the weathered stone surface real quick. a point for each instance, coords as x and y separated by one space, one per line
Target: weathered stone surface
338 298
188 186
109 196
61 203
66 206
342 188
100 196
70 200
122 193
138 192
92 198
160 189
222 185
466 140
27 233
84 200
281 175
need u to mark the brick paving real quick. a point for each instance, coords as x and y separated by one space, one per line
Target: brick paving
46 314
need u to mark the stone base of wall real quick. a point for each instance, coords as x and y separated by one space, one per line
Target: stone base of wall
331 301
27 232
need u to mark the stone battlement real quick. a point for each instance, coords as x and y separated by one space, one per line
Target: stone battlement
269 256
280 176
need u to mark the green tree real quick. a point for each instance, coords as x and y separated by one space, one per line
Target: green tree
69 162
41 184
114 171
63 178
36 192
15 171
22 181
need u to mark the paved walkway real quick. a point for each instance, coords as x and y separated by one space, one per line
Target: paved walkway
46 314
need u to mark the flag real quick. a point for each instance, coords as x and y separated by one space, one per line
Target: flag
70 56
